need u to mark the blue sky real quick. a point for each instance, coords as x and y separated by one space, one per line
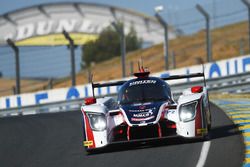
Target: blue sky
145 6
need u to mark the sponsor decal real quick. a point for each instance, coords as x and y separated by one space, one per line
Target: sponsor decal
202 131
143 114
142 104
88 143
143 110
142 119
142 82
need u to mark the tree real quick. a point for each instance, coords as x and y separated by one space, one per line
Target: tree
132 42
108 45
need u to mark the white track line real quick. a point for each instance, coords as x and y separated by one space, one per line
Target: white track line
204 153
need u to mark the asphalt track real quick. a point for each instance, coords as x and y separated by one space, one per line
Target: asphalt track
55 140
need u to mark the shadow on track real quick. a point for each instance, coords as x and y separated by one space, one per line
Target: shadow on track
215 133
137 145
224 131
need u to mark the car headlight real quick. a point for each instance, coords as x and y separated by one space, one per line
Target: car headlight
188 111
97 121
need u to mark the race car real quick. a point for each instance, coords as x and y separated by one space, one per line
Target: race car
145 109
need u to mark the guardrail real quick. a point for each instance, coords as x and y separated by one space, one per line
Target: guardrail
239 83
62 106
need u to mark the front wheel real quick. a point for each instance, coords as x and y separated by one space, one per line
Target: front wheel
206 137
89 151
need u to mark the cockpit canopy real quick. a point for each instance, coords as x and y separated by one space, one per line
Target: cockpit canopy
141 90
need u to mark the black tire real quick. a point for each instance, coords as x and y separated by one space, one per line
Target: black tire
89 151
206 137
209 126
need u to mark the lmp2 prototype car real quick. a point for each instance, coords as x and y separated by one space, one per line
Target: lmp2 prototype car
145 110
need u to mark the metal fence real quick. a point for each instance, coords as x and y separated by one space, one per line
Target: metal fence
229 37
40 67
228 26
230 84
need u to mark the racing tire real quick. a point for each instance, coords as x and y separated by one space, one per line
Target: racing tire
206 137
89 151
209 126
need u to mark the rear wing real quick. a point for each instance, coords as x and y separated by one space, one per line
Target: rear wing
173 77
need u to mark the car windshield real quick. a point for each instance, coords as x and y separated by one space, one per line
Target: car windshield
144 93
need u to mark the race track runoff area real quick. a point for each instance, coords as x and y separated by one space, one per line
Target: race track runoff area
238 109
